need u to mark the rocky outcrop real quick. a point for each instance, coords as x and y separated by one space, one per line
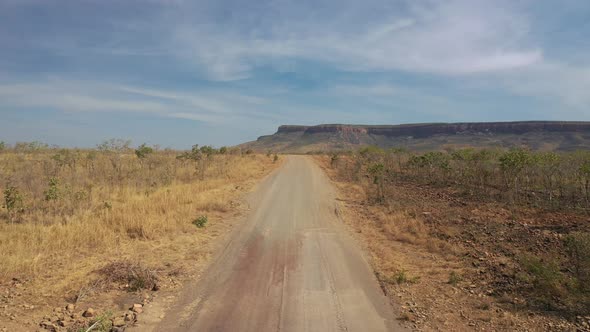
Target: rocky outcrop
431 129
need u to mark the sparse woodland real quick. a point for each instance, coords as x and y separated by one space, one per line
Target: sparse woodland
549 262
547 180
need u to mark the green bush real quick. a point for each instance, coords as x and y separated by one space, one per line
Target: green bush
513 161
200 222
194 154
376 170
403 278
208 150
13 202
52 192
143 151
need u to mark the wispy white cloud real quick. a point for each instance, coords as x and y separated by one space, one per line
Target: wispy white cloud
444 37
88 96
469 40
455 39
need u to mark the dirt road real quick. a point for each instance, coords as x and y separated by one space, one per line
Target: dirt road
290 266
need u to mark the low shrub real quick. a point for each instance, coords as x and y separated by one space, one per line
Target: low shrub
544 279
200 222
454 278
401 277
578 251
134 275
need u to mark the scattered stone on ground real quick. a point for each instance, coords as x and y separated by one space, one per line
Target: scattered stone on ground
89 313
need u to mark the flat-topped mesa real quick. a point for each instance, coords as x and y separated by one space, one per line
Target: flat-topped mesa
426 130
431 129
535 135
334 128
291 129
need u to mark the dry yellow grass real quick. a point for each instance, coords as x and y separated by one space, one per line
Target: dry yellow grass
118 206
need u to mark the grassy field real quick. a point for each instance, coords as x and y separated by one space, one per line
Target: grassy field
68 213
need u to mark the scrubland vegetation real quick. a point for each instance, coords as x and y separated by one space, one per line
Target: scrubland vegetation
548 180
517 215
62 205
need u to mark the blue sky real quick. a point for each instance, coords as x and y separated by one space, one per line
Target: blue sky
222 72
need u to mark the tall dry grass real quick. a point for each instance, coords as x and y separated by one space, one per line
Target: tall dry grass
82 203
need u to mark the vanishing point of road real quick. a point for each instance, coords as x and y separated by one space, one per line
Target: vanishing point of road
289 266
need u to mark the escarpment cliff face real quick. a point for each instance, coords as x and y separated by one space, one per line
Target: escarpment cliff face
543 135
431 129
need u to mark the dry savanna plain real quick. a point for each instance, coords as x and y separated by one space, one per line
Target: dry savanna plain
86 235
472 239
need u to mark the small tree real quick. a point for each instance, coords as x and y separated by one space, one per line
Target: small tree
2 146
194 154
143 151
208 151
223 150
399 153
377 171
199 155
549 164
512 164
463 160
52 192
114 145
433 163
334 159
13 202
484 164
